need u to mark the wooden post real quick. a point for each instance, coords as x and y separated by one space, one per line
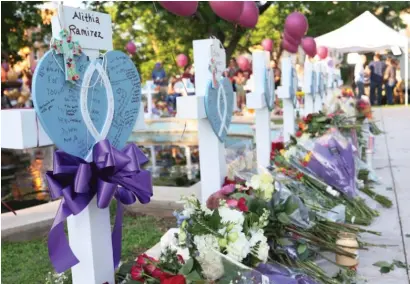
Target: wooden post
309 87
256 100
287 92
90 231
211 150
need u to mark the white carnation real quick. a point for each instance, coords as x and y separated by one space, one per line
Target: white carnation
239 249
229 215
212 266
258 239
205 243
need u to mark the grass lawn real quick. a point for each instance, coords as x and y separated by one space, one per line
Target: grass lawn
28 262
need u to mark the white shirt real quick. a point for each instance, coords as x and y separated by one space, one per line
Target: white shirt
359 72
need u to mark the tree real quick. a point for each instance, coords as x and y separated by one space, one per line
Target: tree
16 18
160 35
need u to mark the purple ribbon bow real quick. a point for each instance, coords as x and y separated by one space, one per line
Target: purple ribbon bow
112 173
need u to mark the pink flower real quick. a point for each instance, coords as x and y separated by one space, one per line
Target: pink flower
227 189
233 203
213 200
137 273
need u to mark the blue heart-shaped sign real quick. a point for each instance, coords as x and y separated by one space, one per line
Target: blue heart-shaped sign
269 92
103 103
219 107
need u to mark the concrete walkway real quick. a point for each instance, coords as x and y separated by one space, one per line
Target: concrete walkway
391 162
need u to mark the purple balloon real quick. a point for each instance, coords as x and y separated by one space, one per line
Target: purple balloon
250 15
292 48
180 8
5 66
131 48
309 46
296 25
227 10
330 63
291 39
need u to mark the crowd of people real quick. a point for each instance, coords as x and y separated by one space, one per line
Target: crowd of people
380 80
168 90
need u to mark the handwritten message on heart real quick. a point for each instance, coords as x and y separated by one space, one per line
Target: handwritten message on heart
269 92
219 107
104 103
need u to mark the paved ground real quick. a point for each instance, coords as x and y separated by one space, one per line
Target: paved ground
391 161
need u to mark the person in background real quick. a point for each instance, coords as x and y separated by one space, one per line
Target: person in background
359 75
390 79
188 74
240 81
232 69
377 69
276 73
158 75
171 97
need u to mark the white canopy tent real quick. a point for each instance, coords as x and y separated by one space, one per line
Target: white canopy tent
367 33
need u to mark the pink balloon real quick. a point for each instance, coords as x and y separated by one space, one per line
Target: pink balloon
243 63
290 47
227 10
322 52
182 60
180 8
291 39
296 25
309 46
131 48
250 15
267 44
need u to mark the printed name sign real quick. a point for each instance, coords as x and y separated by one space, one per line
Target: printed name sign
90 28
76 116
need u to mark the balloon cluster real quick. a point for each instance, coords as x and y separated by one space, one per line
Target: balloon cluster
296 26
244 13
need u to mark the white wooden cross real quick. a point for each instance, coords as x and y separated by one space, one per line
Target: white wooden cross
256 100
148 91
90 231
309 86
211 150
319 86
287 92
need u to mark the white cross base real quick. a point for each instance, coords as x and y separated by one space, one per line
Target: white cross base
256 100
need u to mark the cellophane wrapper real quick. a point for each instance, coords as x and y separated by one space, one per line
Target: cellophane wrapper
332 161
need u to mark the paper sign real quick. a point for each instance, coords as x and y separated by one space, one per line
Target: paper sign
219 56
91 29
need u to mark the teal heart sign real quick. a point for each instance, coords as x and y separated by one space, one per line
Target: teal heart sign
103 104
219 107
269 92
293 85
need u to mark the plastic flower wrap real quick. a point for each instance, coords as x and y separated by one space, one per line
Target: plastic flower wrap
240 160
330 158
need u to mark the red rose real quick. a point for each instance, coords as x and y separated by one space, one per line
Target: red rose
298 133
158 273
142 259
227 181
177 279
137 273
242 205
276 146
149 268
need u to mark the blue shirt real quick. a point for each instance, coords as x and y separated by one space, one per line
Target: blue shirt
377 70
158 74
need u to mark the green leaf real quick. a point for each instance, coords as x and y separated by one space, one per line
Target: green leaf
385 269
284 242
215 220
291 205
284 218
125 268
187 268
381 264
194 276
302 248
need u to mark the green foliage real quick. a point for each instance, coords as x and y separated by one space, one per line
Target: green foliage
16 18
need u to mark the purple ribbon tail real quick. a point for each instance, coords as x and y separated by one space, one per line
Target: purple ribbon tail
117 234
61 256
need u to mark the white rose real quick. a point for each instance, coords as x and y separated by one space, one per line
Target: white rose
239 249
